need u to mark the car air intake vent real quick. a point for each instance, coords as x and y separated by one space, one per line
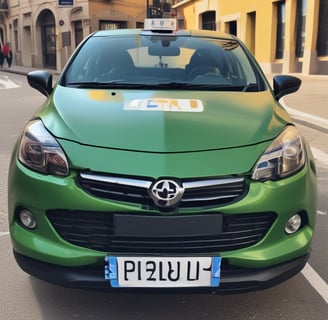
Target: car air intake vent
151 234
197 193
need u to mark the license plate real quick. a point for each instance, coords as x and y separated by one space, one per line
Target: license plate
161 272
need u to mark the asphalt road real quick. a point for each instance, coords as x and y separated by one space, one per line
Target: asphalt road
23 297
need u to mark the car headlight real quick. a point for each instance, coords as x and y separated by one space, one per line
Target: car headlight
39 151
282 158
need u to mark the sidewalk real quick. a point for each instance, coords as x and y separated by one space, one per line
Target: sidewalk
23 70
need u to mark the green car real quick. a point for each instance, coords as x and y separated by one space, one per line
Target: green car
162 160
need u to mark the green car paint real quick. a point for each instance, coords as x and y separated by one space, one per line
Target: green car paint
125 134
273 249
247 119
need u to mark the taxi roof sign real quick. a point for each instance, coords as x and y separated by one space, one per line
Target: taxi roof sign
160 24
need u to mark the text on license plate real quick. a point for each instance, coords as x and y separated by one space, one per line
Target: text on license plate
157 272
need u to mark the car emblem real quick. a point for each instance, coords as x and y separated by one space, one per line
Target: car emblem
166 193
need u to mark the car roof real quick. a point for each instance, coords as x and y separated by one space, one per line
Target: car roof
191 33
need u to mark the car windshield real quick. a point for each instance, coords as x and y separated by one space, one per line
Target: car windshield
162 61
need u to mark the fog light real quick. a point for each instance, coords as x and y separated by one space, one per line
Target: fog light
27 219
293 224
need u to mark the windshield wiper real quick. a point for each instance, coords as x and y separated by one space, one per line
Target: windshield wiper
161 85
251 87
200 86
175 85
208 86
104 85
179 85
123 84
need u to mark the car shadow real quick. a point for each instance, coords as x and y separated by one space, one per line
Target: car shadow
63 303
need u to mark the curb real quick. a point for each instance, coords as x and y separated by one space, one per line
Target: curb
24 72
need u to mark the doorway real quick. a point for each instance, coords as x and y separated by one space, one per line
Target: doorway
48 38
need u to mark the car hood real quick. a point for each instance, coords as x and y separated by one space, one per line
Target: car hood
163 121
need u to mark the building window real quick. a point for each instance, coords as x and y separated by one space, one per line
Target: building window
300 27
231 27
322 40
139 25
15 27
159 8
281 21
251 31
112 25
78 31
208 19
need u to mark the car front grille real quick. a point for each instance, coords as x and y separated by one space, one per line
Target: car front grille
152 234
198 193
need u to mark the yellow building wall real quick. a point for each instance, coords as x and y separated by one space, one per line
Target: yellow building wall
264 11
256 22
191 11
131 11
187 13
190 22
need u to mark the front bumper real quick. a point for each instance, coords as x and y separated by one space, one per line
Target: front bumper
45 254
233 280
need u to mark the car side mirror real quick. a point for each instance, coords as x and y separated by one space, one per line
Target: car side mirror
40 80
283 85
